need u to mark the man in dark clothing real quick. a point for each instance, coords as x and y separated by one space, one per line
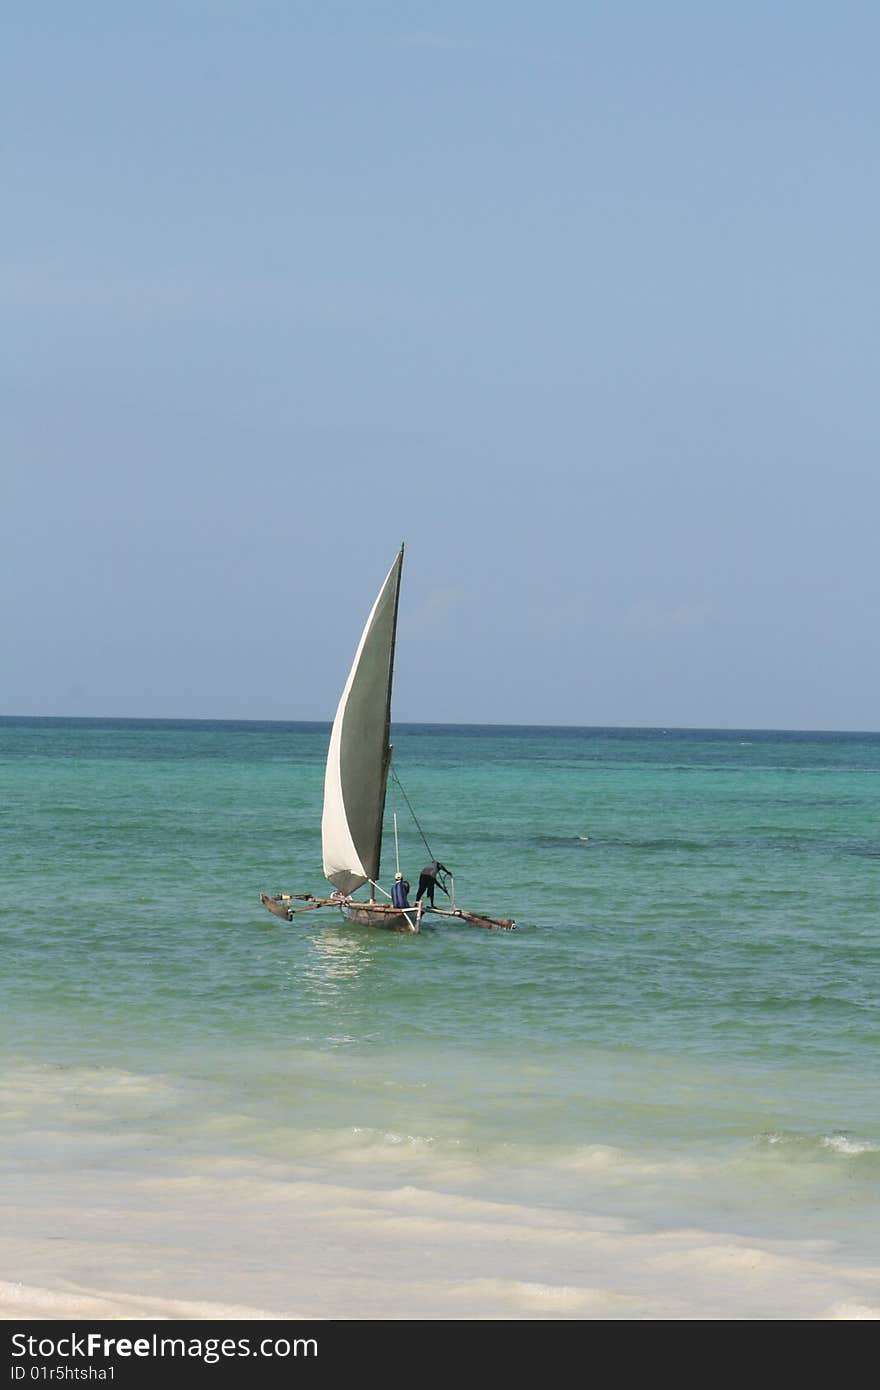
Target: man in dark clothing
428 881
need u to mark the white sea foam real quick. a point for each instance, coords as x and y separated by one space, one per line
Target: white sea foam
27 1301
842 1144
853 1312
519 1299
615 1163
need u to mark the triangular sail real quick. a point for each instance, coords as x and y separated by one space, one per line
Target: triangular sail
357 760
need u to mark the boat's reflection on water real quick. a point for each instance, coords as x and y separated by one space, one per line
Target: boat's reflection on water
337 959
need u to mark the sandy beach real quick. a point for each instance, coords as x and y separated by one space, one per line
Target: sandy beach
128 1224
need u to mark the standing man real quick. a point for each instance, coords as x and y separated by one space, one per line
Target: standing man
428 881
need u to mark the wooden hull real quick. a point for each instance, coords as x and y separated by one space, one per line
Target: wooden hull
380 915
366 914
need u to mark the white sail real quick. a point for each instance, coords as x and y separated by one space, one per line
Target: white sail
357 760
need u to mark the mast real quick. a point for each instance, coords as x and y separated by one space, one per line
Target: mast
387 764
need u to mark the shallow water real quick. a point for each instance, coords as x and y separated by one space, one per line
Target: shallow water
675 1049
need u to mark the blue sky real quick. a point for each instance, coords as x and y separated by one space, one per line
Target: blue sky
580 300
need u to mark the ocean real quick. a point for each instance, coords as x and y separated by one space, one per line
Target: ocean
657 1098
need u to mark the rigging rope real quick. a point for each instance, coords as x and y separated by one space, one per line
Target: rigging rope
411 811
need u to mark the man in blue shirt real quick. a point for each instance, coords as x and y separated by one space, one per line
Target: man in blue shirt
400 891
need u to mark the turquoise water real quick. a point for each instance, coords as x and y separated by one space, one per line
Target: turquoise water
682 1030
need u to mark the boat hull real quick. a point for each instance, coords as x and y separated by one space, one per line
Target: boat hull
380 915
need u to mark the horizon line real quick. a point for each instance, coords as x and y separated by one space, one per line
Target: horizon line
430 723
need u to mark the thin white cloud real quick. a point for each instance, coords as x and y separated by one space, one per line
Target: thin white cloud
660 620
438 613
82 290
494 48
440 602
428 40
